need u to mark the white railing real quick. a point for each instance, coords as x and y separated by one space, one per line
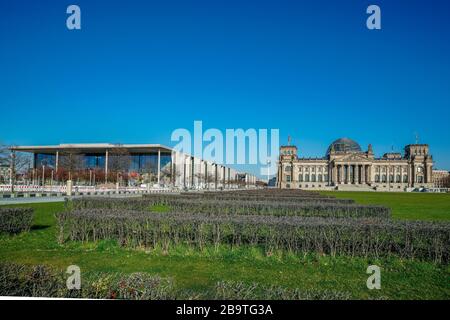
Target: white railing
79 189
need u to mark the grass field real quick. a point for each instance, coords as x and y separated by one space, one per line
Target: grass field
194 270
411 206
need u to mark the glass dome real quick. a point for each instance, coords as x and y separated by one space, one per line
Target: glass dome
344 145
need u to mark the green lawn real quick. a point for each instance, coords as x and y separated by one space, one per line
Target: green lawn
191 269
411 206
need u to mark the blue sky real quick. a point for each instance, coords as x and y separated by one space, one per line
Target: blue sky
140 69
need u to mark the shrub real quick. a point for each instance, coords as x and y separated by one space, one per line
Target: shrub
354 237
42 281
327 208
142 286
306 208
15 220
237 290
29 281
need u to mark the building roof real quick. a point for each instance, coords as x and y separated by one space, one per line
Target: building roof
92 147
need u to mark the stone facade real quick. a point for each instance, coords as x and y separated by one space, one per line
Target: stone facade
441 179
346 167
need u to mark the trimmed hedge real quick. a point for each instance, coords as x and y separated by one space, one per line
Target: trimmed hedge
15 220
306 209
351 237
238 290
42 281
230 207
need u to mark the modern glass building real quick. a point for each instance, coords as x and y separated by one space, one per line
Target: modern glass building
166 165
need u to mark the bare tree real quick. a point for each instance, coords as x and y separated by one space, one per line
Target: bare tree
119 161
17 162
148 172
71 161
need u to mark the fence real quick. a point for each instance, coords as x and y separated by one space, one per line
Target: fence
25 191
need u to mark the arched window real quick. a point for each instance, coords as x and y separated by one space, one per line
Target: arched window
307 177
300 177
313 178
287 169
325 177
391 178
377 178
384 178
398 180
405 178
320 178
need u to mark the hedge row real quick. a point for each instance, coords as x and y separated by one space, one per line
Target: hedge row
41 281
248 196
269 192
307 209
238 290
15 220
352 237
167 199
251 197
230 207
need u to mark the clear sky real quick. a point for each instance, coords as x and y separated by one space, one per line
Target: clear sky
137 70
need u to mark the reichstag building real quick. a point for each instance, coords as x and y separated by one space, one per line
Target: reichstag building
346 166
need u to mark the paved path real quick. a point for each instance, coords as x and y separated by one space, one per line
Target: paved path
7 201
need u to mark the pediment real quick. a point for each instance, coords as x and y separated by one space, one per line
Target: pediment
352 157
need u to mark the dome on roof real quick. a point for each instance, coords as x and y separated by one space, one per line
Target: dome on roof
344 145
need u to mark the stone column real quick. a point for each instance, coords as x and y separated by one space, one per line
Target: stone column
363 174
429 174
348 174
334 178
388 175
356 174
410 175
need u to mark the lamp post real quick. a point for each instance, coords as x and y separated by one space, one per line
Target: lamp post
268 172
